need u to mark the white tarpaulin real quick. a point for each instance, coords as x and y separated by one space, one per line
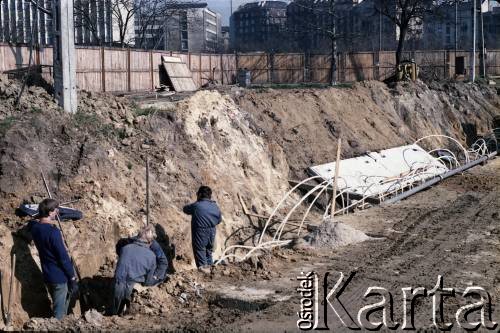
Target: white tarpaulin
379 173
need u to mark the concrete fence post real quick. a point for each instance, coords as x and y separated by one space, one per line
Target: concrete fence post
221 70
103 71
129 74
151 71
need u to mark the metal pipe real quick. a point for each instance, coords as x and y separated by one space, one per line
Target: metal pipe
437 179
483 53
147 192
473 55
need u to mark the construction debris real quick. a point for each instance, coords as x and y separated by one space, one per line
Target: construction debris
378 174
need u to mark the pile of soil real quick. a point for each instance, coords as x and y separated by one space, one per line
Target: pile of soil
334 234
249 145
98 156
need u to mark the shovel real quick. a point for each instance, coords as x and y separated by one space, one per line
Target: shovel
8 315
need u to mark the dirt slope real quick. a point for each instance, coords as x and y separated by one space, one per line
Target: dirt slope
370 116
249 147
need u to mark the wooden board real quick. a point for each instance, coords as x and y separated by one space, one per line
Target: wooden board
179 74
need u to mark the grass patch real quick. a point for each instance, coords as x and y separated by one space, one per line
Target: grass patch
91 123
6 124
144 111
86 120
36 110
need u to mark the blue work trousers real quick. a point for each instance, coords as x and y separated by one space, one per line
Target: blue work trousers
203 242
60 299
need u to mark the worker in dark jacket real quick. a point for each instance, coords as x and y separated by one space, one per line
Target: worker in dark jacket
205 215
161 259
57 268
136 264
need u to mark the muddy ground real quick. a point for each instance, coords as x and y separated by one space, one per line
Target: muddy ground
244 142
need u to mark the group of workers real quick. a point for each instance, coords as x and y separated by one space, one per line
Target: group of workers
141 259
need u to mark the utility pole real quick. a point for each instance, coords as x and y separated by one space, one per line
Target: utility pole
456 29
64 55
483 53
473 55
333 69
379 31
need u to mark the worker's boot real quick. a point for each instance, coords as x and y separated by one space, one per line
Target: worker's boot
205 269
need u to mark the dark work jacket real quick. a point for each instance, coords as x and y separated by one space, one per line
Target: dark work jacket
136 263
161 258
204 213
57 267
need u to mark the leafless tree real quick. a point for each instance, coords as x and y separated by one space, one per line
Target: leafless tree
148 13
317 21
86 19
123 12
408 16
128 17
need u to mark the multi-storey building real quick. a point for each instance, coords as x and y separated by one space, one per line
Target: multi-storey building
451 26
354 25
184 27
259 26
95 22
21 22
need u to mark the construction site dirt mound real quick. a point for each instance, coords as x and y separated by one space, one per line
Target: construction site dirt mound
369 116
248 145
334 234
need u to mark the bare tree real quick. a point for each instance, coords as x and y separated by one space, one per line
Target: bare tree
407 15
316 23
123 12
149 13
125 22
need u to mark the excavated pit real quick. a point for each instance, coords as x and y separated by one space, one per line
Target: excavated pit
249 143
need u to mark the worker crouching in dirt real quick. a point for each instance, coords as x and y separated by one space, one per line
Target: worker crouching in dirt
141 260
205 215
57 268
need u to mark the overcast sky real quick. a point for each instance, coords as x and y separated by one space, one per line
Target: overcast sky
223 7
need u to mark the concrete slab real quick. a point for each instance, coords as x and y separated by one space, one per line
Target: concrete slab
377 173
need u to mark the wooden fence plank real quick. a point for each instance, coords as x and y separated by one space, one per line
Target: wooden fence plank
119 70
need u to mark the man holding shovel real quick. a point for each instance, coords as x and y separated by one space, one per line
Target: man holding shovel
57 268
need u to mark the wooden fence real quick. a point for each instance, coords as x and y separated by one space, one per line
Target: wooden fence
129 70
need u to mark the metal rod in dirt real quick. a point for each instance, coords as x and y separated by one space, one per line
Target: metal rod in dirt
57 216
147 191
337 169
69 202
2 309
8 316
437 179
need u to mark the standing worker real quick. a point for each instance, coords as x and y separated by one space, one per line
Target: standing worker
57 268
205 215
